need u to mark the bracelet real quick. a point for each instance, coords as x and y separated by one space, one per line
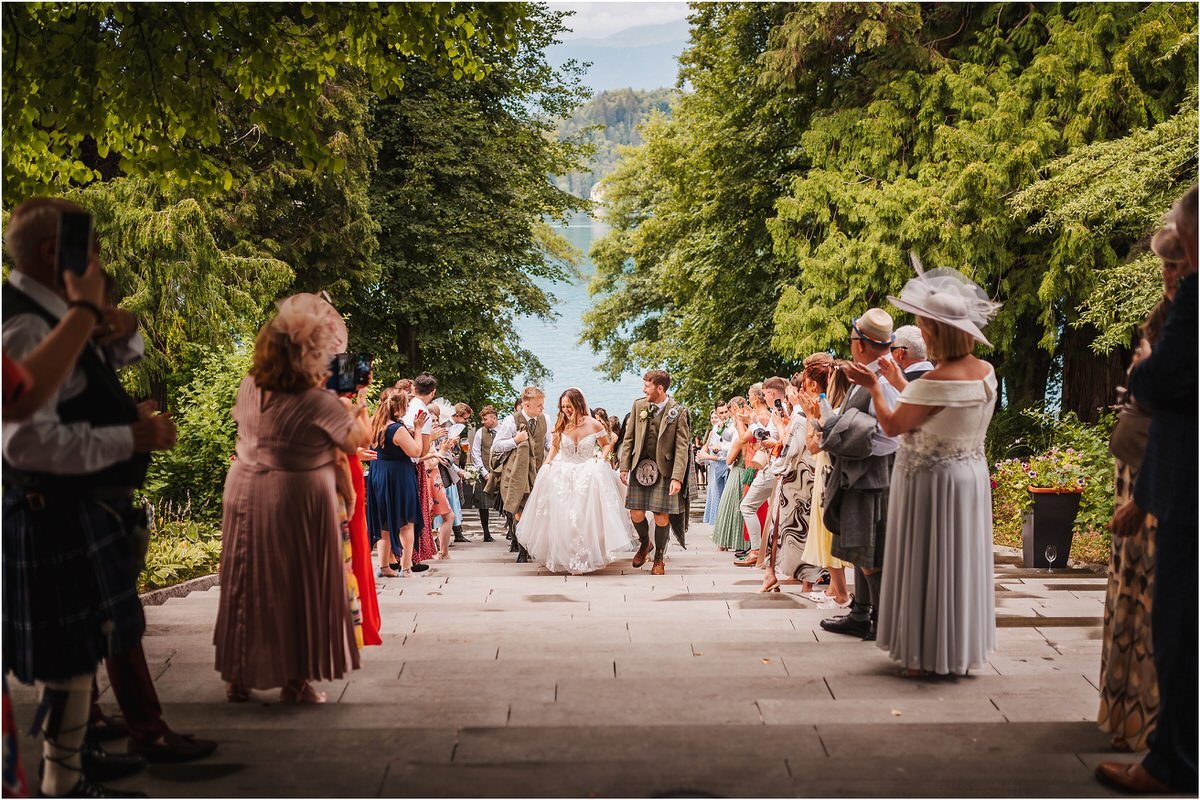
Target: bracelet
92 307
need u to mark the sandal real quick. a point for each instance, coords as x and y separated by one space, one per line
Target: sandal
304 695
382 573
235 693
751 560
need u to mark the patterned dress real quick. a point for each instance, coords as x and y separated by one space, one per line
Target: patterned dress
1128 681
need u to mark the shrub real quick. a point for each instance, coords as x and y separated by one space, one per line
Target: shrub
1066 452
182 547
192 475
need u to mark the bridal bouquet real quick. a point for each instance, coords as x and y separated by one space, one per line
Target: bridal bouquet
471 473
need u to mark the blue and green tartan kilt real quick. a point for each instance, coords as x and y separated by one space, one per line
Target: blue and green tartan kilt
656 499
70 586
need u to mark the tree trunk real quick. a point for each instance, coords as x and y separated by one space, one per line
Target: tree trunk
408 349
1090 381
1025 375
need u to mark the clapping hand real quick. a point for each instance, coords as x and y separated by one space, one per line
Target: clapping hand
859 375
891 372
367 454
808 402
419 420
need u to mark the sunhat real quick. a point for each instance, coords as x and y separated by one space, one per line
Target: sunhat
875 325
949 297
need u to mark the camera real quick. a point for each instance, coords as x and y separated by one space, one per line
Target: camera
762 434
349 371
779 405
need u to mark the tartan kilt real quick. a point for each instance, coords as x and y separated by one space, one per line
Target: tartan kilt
70 586
655 498
482 498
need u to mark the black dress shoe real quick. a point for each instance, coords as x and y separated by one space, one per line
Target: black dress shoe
487 537
174 748
848 626
523 556
101 765
513 547
870 636
108 728
458 537
87 788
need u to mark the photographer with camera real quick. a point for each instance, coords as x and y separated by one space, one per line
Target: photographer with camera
770 443
284 618
73 538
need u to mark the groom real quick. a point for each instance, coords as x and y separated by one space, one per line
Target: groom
518 453
655 448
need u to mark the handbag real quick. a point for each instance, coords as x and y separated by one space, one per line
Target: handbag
761 459
1127 442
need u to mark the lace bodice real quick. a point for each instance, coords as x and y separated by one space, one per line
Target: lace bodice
568 450
957 431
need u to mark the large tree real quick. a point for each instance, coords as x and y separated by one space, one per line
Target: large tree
462 196
155 90
894 127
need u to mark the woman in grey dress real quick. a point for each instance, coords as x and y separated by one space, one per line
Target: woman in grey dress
937 612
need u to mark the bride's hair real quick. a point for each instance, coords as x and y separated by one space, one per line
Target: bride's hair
581 411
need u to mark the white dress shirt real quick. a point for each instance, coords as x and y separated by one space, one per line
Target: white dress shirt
881 443
477 452
415 406
507 432
42 442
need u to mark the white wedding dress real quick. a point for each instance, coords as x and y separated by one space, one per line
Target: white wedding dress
575 519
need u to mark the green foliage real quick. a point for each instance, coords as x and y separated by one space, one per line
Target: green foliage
169 259
1029 146
462 196
688 278
608 122
1065 453
152 90
192 475
182 547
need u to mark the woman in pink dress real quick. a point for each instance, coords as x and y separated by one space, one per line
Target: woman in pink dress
284 618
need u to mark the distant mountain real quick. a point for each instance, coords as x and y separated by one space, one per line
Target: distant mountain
642 57
620 111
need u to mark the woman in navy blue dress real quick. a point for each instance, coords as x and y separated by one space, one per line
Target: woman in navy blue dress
394 507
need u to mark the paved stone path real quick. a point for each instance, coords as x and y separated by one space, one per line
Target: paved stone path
499 679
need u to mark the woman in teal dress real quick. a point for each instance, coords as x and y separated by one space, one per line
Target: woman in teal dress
729 529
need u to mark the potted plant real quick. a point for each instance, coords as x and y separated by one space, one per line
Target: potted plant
1057 479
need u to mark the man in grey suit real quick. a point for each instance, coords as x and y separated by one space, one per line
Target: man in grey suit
855 503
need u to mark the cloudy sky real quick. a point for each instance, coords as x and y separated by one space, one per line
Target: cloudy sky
597 20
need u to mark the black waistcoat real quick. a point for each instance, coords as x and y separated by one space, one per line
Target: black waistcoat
104 402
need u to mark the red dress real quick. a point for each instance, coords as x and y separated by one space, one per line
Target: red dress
361 547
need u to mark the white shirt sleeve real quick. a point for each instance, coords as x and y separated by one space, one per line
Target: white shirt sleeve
549 436
476 454
881 443
42 442
504 436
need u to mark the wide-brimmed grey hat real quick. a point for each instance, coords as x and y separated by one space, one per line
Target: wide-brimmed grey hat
949 297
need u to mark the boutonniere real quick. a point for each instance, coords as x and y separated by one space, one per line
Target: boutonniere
647 412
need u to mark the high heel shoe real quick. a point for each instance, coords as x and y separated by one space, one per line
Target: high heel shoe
774 587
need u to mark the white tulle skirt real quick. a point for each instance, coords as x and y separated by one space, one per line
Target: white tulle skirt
575 519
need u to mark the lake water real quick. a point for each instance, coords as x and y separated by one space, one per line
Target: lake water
556 343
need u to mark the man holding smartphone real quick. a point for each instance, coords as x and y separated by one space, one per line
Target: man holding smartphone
775 392
71 531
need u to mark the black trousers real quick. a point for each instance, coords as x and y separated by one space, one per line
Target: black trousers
1173 743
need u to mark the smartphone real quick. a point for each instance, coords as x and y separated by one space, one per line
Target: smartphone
779 405
341 377
362 369
74 242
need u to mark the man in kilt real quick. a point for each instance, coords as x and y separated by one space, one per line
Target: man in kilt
481 457
71 533
656 449
518 452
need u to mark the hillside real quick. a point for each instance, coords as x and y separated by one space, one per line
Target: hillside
642 57
620 112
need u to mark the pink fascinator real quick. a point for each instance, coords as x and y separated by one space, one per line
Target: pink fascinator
315 329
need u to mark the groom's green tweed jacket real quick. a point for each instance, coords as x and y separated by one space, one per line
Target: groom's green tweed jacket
670 447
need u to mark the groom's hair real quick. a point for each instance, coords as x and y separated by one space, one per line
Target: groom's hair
531 393
425 384
658 377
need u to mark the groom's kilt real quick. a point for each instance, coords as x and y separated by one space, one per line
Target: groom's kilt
70 585
656 498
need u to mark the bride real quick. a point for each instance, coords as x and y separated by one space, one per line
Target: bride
575 519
